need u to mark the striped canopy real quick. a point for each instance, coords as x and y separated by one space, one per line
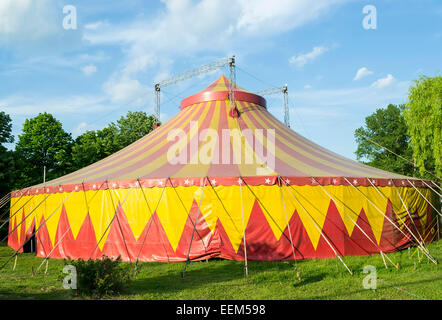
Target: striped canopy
294 156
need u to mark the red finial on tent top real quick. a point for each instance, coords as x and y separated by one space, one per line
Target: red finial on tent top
219 90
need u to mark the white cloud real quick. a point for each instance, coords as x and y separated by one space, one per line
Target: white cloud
361 73
384 82
307 86
33 19
89 70
125 90
186 27
303 59
258 17
30 106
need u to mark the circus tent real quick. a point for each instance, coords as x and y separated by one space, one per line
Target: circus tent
224 180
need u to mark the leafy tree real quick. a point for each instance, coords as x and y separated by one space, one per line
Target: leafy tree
133 127
43 142
7 163
93 146
387 128
423 115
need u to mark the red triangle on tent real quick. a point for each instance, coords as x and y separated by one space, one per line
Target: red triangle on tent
204 243
22 230
391 238
335 232
226 248
85 245
13 236
64 239
301 241
43 240
362 240
120 240
261 241
153 244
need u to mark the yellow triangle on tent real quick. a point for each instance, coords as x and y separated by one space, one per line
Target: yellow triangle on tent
223 203
102 209
312 207
52 213
76 210
272 206
173 210
136 209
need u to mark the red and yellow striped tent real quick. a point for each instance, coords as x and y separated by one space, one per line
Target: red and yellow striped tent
219 180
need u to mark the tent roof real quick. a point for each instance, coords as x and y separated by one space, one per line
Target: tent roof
294 156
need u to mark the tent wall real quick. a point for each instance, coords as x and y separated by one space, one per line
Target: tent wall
86 225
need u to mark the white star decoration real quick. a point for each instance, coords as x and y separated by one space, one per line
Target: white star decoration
160 183
213 181
287 181
186 181
335 181
267 180
239 181
389 183
355 181
403 182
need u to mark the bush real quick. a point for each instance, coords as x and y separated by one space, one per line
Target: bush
100 277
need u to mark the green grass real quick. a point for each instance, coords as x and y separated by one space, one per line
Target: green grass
222 279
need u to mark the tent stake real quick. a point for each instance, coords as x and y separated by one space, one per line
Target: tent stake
15 263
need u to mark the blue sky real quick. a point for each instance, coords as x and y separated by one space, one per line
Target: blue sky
337 71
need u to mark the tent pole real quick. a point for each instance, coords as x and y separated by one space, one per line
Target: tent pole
59 241
28 214
437 211
386 217
16 252
193 232
288 227
436 185
150 223
440 195
411 218
363 232
118 221
187 211
246 269
110 223
11 216
409 215
320 231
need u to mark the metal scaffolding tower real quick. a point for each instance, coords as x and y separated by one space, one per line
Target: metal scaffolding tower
284 92
190 74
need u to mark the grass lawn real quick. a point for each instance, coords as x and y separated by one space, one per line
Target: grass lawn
222 279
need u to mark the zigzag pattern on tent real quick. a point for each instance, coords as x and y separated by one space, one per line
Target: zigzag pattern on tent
140 231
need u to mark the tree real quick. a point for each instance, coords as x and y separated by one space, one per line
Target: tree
423 115
387 128
93 146
7 163
133 127
43 142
